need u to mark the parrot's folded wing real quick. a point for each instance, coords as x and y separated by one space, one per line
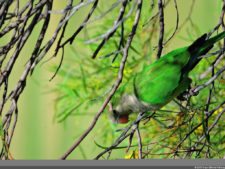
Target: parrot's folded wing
157 84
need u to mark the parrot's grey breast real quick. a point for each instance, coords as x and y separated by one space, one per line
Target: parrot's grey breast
130 103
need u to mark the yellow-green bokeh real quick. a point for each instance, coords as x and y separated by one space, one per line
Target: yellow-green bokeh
37 135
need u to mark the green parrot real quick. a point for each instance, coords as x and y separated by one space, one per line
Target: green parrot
160 82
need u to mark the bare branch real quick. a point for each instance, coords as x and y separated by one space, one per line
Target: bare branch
161 31
115 86
177 23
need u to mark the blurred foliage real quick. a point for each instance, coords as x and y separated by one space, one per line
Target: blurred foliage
85 82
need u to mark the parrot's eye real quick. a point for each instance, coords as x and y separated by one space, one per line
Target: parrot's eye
115 116
115 113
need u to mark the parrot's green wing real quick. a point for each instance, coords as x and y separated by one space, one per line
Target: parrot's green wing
166 78
158 83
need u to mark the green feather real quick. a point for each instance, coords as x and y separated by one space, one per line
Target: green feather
160 82
157 83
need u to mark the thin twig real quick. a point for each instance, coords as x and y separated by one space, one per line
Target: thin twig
139 142
115 86
112 31
161 31
177 23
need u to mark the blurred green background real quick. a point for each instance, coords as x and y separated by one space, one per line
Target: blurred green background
39 135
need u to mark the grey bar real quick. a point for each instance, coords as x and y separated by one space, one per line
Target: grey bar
102 167
115 163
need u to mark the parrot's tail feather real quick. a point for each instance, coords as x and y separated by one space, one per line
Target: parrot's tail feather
208 44
195 50
200 47
195 61
197 44
214 39
203 52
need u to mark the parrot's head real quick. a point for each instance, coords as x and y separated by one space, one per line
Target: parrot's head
117 116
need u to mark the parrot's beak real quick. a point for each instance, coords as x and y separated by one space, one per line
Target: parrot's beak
116 117
123 119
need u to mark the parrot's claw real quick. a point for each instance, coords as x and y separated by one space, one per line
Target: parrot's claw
183 96
186 94
192 92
